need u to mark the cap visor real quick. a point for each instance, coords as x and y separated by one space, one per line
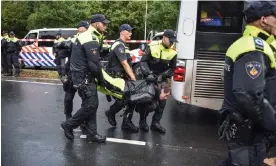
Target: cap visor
173 40
106 21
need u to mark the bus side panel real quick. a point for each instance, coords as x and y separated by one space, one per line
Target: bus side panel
180 89
186 29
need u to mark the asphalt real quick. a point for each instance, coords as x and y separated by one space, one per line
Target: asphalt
31 134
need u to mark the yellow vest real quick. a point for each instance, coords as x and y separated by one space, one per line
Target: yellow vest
248 42
158 51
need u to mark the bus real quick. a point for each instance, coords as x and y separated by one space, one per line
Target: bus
205 30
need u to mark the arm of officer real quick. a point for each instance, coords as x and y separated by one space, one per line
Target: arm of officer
120 53
248 85
93 58
168 73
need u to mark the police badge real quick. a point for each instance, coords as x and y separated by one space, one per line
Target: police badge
253 69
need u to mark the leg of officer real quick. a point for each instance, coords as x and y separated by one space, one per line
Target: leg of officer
9 62
68 104
15 63
155 124
143 118
114 109
127 121
4 62
87 112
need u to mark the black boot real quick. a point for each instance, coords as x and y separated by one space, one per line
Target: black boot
84 130
111 118
67 132
95 138
143 125
157 127
128 125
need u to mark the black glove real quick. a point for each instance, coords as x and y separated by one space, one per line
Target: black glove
160 78
224 129
150 78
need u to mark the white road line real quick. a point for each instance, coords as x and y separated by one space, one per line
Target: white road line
124 141
31 82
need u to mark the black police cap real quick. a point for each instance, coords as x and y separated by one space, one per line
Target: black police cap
256 9
171 35
84 24
99 18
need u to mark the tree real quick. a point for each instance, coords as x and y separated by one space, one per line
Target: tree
14 16
163 15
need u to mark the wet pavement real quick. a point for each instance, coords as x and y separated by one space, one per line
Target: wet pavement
31 134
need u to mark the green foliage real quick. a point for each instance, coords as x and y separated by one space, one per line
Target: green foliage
22 16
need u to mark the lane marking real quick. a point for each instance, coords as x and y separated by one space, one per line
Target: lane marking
31 82
124 141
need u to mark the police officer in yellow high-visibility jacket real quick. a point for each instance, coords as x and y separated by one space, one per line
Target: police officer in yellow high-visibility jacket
13 49
4 63
246 113
161 59
85 69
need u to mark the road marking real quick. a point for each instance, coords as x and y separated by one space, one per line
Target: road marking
31 82
124 141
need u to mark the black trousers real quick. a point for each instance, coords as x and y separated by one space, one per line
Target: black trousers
87 112
12 59
241 154
4 62
158 112
119 105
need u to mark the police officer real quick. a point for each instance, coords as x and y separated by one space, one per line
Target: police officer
246 114
13 49
60 55
120 65
85 68
161 59
4 41
67 78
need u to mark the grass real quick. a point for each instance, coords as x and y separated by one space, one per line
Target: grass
39 73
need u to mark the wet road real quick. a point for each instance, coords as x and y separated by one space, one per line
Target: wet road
31 134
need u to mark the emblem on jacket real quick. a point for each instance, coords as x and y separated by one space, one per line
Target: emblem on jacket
253 69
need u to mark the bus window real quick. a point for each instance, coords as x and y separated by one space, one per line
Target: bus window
47 35
220 16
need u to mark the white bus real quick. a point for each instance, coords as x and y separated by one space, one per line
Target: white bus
205 30
40 54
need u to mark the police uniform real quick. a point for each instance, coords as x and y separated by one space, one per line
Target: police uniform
60 56
85 68
68 88
120 52
4 63
13 49
162 62
246 113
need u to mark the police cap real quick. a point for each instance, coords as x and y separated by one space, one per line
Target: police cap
256 9
126 27
84 24
12 33
171 35
99 18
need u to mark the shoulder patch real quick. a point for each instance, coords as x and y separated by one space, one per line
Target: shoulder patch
121 49
253 69
259 43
